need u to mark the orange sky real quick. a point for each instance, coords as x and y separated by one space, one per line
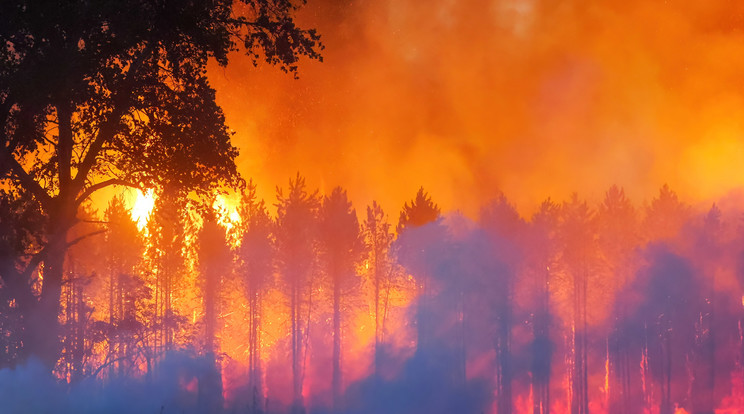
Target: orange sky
534 98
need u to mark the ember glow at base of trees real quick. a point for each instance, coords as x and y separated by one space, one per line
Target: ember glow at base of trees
429 257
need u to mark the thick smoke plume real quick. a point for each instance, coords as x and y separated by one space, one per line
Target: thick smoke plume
530 97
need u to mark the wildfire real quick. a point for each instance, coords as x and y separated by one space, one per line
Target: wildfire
227 211
142 207
579 304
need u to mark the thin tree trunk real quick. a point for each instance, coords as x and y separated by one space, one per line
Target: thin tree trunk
296 352
254 351
336 345
542 348
377 314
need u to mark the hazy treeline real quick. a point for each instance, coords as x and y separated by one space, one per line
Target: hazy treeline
579 308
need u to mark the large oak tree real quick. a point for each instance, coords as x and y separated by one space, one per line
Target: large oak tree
102 93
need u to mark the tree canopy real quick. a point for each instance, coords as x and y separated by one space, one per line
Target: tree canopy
102 93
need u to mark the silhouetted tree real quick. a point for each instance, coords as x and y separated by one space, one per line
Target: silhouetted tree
79 333
421 211
296 241
665 318
502 223
710 248
378 238
342 246
167 233
214 262
419 230
542 256
95 94
665 216
579 249
123 251
21 234
254 260
618 236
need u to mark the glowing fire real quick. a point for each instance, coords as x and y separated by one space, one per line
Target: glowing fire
227 210
625 111
142 207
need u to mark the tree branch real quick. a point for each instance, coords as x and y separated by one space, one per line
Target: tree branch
105 134
64 145
111 126
78 239
26 180
101 185
18 278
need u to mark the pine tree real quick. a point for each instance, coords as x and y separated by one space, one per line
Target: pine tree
542 256
213 255
167 233
342 247
419 225
578 242
123 252
503 224
617 237
296 241
254 261
79 336
378 238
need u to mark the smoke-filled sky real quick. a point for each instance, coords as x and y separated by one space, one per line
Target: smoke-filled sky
533 98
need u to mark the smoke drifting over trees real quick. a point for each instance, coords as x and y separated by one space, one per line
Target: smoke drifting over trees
221 296
578 308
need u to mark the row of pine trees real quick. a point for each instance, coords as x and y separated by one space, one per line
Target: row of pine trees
582 308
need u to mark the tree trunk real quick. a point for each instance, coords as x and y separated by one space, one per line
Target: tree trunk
503 356
255 352
336 346
43 329
377 315
297 404
542 351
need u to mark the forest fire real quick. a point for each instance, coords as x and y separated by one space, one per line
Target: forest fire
479 223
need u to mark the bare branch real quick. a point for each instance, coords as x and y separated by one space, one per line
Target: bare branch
78 239
103 184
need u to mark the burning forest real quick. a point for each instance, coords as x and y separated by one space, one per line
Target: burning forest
508 206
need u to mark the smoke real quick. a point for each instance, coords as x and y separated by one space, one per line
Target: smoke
535 98
482 341
419 389
459 269
173 388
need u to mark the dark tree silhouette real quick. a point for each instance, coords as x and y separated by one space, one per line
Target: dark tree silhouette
419 229
95 94
123 250
214 262
710 247
618 235
254 260
214 259
665 318
502 223
342 247
579 248
421 211
79 334
378 238
21 233
167 234
665 216
541 256
296 241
